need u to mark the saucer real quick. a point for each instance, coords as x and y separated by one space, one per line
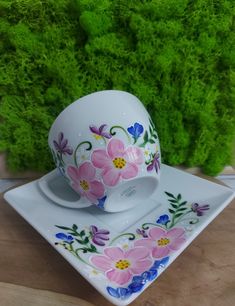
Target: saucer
121 254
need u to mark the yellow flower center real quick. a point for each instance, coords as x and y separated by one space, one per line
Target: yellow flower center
97 137
84 185
163 241
122 264
119 162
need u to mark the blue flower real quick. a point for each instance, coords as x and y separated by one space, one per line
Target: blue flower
120 292
136 131
64 237
163 219
160 263
101 202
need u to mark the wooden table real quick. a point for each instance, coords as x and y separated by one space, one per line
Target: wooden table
33 273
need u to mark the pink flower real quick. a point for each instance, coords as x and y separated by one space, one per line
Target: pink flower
83 181
119 266
117 162
162 242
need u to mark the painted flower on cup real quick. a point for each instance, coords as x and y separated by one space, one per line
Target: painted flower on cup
162 242
119 266
155 163
136 130
99 236
64 237
61 145
85 183
100 132
199 209
117 162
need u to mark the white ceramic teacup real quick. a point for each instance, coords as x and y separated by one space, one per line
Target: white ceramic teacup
106 147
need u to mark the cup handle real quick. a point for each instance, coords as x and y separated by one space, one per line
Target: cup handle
43 184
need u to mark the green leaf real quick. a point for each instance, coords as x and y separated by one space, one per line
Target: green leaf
146 137
174 205
151 141
179 197
74 227
173 201
82 233
80 241
183 203
150 130
169 194
182 209
63 227
86 240
73 233
93 248
178 214
171 211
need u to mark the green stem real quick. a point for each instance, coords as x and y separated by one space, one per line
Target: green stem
78 146
119 236
121 128
145 225
173 222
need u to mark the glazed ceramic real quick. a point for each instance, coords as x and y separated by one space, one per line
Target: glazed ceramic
121 256
106 147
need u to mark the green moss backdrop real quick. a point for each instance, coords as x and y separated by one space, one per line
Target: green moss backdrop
177 56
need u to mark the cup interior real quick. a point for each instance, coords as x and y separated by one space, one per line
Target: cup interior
130 194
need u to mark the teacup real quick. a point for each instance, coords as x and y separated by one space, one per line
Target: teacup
106 147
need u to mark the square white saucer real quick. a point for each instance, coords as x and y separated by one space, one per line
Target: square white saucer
121 254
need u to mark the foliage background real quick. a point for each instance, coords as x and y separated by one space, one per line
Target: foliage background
177 56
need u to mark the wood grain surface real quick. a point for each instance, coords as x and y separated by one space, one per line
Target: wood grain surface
33 273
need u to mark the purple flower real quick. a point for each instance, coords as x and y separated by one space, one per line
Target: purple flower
100 131
98 236
199 209
62 145
142 233
155 163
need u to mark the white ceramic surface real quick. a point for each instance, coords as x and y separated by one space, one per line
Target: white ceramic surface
123 254
106 146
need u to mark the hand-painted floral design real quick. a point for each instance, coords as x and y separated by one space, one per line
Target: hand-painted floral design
119 266
100 132
136 130
162 242
163 219
117 162
130 260
199 209
84 181
154 162
99 236
61 145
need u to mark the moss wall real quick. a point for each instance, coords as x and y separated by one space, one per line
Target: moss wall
177 56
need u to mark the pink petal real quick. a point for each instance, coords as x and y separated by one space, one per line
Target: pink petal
120 277
130 171
86 171
114 253
115 148
73 173
76 186
159 252
111 176
102 262
100 159
134 155
97 189
146 242
175 232
92 198
176 244
137 253
141 266
156 233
